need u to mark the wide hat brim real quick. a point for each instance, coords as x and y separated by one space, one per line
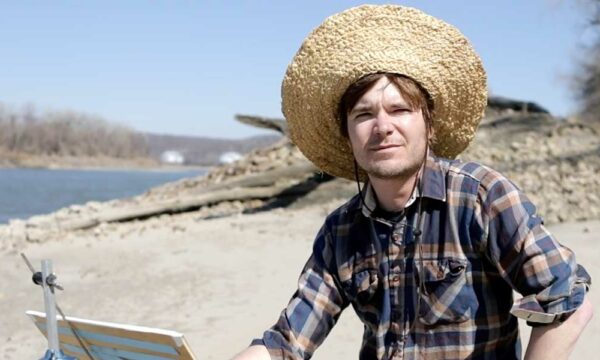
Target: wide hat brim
372 39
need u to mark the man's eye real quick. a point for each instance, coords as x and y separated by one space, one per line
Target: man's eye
363 115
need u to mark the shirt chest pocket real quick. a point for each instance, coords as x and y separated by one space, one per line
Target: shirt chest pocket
448 295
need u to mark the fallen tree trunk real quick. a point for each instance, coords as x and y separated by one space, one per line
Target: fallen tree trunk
260 186
504 103
278 125
267 178
178 205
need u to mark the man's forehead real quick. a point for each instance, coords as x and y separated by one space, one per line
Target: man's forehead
383 88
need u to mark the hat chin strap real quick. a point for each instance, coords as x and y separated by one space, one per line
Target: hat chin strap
357 179
417 236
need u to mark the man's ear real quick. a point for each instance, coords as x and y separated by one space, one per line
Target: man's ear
346 136
430 134
348 141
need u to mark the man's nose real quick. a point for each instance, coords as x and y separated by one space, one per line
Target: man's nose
383 124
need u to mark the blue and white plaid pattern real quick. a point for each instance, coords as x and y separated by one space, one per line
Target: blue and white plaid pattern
481 240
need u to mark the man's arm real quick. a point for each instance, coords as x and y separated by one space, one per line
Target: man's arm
546 273
311 313
254 352
559 339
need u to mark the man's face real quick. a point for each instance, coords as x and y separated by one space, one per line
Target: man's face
388 138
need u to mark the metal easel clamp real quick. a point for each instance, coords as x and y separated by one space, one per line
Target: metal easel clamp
38 279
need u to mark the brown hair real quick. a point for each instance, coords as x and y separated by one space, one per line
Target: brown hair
411 91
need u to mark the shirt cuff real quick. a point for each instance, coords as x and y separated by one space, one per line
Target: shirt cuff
257 342
276 351
535 313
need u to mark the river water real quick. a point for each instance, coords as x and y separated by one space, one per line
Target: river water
28 192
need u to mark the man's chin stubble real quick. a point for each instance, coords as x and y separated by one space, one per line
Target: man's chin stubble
399 173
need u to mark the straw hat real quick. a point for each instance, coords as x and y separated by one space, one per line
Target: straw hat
387 38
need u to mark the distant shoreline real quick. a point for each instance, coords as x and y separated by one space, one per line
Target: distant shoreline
100 163
166 168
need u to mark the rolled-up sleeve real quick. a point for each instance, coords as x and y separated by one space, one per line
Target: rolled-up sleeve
313 309
528 257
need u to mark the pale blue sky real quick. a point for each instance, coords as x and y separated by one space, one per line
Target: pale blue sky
186 67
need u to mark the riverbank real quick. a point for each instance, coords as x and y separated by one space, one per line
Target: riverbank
26 192
12 159
208 256
220 281
18 160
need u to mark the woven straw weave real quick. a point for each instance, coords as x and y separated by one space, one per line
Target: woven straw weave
388 38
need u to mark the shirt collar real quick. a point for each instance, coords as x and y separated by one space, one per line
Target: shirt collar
434 187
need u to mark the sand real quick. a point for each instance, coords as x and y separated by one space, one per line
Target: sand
221 282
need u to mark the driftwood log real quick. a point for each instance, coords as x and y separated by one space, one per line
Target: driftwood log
504 103
279 125
279 181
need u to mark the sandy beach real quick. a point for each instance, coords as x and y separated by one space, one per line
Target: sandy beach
221 281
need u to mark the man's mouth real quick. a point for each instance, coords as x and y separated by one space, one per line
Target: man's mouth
384 147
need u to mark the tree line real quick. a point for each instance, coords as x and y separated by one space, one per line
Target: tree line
67 133
587 80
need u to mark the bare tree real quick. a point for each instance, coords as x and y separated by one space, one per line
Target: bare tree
67 133
587 80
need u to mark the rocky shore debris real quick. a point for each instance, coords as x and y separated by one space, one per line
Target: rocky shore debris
555 161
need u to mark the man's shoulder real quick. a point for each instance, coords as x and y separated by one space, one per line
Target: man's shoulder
458 170
345 213
339 220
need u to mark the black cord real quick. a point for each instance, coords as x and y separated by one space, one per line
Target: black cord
362 198
417 237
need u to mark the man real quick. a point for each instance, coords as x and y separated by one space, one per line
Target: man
429 252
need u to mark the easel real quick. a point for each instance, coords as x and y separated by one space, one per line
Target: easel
47 280
96 340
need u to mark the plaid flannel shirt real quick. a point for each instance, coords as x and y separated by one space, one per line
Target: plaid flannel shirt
481 239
